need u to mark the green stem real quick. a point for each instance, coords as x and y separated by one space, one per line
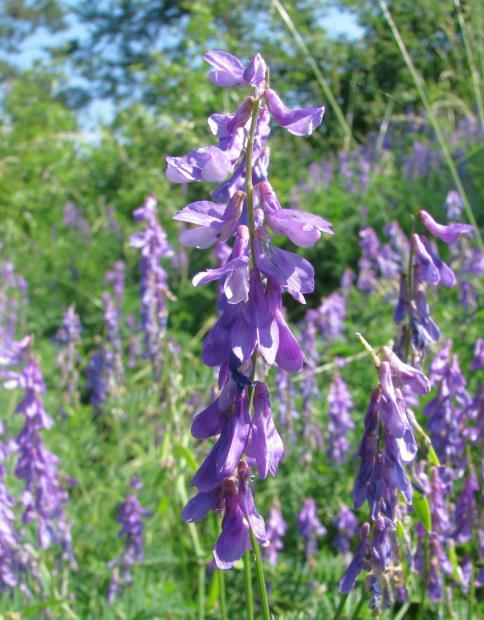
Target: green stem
249 598
198 551
249 189
222 600
472 593
423 591
266 614
420 85
356 613
339 610
201 590
476 78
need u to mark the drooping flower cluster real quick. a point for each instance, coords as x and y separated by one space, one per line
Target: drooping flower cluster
437 565
449 422
13 301
346 527
43 498
114 346
251 328
339 419
387 445
310 527
380 260
74 219
68 338
14 556
276 529
130 517
116 278
154 247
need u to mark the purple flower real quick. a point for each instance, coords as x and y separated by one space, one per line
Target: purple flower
68 339
331 316
303 229
154 247
229 72
116 277
309 526
43 498
276 529
130 518
340 406
447 233
346 526
453 204
478 361
300 121
208 163
214 221
466 509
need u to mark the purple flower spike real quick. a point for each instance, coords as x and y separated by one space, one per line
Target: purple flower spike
448 234
207 163
130 517
275 531
300 121
303 229
309 526
251 331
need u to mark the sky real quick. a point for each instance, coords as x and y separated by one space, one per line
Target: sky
33 49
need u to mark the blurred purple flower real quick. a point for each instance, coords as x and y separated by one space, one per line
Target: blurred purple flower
130 517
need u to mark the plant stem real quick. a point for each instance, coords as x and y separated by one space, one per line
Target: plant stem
249 599
356 613
339 610
222 600
201 590
470 59
266 614
249 189
420 85
423 592
198 551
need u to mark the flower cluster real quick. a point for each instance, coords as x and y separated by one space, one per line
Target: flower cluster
309 526
448 412
387 446
276 529
154 247
68 338
13 296
251 328
130 518
427 268
346 527
340 422
43 498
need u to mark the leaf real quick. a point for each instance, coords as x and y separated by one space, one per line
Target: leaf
183 452
422 510
433 458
